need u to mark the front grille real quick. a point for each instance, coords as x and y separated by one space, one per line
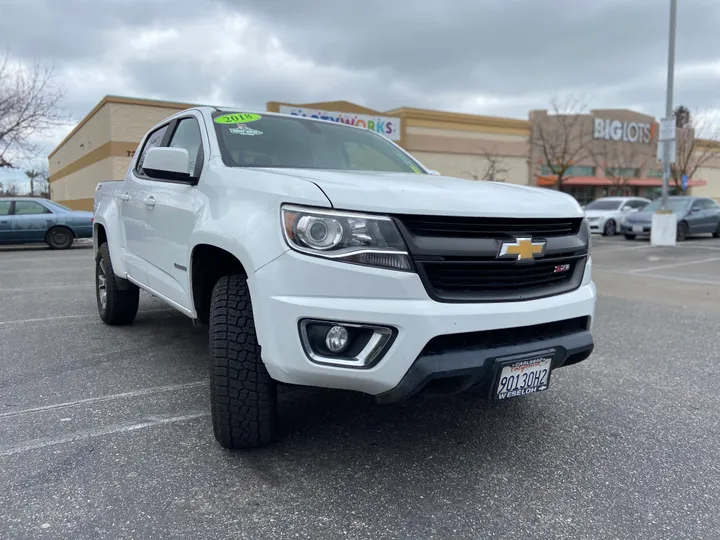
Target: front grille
500 280
471 227
504 337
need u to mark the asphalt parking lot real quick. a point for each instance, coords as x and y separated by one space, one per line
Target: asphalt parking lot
105 432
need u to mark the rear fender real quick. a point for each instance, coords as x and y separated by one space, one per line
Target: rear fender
108 216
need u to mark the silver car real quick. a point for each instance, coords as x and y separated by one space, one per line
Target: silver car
607 214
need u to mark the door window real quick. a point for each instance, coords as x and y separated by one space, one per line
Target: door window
25 208
154 139
5 207
187 136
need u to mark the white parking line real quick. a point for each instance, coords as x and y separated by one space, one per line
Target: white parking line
61 317
92 433
674 265
614 250
608 270
101 399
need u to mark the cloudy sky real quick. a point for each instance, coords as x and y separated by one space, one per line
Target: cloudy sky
496 57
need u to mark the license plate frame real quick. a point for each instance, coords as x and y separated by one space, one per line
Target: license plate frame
521 363
638 229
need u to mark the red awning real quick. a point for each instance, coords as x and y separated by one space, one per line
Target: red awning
595 181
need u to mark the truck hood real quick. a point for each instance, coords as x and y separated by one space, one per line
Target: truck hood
410 193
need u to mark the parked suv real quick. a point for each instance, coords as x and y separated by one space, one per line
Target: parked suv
325 255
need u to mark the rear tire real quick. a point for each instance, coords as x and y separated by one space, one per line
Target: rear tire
59 238
117 300
682 231
242 393
629 237
610 228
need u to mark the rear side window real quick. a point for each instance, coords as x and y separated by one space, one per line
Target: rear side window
30 207
154 139
187 136
5 208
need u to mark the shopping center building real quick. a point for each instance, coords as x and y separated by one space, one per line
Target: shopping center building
619 156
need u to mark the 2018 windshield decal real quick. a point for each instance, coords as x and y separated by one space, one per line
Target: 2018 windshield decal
237 118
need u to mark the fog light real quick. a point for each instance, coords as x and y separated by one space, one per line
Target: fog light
337 339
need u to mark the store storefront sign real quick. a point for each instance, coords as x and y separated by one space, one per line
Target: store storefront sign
615 130
385 125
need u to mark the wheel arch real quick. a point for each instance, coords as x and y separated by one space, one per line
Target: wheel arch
209 263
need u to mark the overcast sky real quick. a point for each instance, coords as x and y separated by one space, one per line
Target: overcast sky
496 57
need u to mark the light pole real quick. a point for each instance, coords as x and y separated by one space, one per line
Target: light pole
669 101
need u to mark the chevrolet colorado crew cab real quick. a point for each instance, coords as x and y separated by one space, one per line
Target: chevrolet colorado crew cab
322 254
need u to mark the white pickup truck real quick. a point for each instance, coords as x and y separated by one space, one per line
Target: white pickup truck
324 255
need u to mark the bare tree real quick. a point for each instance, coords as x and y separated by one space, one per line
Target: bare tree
44 181
621 162
28 109
494 169
563 137
11 190
696 143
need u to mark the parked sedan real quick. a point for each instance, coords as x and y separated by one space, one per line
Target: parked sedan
25 220
607 214
695 215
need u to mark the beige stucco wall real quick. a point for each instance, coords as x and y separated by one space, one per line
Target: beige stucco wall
467 165
81 184
91 136
712 176
130 122
478 135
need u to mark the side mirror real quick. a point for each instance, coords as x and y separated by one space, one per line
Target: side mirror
694 209
168 164
627 209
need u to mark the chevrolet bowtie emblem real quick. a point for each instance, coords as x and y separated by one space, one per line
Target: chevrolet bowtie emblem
522 249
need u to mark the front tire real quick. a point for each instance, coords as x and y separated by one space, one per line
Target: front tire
610 228
682 231
117 301
59 238
242 393
629 237
716 234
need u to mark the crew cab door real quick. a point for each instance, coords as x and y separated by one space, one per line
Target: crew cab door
134 211
171 207
31 221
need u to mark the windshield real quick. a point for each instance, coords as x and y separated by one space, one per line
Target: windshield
603 205
676 205
253 140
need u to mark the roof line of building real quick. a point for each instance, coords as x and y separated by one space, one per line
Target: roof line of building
123 100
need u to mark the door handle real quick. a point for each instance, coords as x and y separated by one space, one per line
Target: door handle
5 221
125 197
150 201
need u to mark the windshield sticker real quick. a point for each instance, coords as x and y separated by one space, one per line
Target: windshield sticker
410 163
242 129
236 118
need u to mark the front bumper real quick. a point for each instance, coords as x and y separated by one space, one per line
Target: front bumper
629 228
294 287
596 226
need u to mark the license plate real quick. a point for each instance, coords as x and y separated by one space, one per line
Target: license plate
524 377
638 228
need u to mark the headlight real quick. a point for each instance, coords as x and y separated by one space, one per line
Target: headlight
345 236
586 226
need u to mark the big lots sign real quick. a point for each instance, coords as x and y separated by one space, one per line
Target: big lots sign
615 130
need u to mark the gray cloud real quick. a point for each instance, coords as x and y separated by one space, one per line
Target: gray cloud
492 57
